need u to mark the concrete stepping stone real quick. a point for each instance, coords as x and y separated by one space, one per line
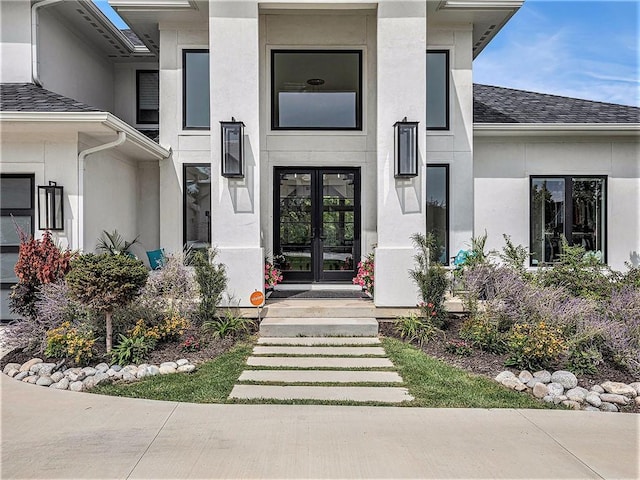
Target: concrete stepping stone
318 327
318 362
330 351
354 394
317 376
308 341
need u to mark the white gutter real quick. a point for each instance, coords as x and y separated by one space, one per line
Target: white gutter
34 37
122 137
550 129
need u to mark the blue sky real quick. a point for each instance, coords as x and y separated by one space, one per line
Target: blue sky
586 49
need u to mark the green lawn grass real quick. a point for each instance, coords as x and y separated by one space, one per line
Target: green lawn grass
436 384
211 382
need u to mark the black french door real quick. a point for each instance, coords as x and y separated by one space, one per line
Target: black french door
317 223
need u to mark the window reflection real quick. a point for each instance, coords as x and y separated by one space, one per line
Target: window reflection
197 207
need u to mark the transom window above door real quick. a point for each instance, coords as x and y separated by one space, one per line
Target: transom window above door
316 90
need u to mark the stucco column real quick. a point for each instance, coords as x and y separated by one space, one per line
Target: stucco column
235 203
401 93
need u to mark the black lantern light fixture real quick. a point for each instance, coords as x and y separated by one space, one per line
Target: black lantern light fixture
50 207
406 149
232 149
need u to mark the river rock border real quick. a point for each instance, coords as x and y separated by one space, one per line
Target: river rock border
561 387
77 379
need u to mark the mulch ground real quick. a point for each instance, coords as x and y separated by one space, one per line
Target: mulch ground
490 364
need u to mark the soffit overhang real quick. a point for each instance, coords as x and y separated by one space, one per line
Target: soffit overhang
100 126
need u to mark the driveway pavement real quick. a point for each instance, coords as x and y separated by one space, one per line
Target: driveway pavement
60 434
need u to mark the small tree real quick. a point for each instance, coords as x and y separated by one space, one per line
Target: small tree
431 279
39 262
104 282
212 280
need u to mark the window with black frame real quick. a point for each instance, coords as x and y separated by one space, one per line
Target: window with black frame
438 209
437 90
569 207
195 90
316 89
147 97
197 205
17 212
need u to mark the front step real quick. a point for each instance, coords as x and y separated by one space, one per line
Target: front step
319 362
324 351
350 394
318 327
310 341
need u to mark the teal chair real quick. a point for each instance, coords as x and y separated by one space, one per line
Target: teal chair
156 259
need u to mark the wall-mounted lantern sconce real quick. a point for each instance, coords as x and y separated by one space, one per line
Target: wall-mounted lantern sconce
406 143
232 149
50 207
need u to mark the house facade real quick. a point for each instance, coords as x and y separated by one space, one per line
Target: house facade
348 127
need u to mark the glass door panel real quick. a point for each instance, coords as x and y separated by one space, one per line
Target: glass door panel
296 222
338 221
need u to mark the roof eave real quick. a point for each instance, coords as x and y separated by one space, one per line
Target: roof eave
106 118
555 129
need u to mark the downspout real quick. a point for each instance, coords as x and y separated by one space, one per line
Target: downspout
34 38
122 137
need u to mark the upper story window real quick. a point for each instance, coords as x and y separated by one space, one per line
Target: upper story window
147 97
195 90
316 90
573 207
437 90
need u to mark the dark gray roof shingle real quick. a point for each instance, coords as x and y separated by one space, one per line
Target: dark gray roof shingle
507 105
27 97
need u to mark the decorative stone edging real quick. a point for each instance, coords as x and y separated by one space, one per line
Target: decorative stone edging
79 379
561 387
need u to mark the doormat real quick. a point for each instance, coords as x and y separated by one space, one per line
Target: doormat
317 294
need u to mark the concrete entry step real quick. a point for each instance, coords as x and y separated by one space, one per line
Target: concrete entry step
319 362
318 327
308 341
312 350
354 394
319 376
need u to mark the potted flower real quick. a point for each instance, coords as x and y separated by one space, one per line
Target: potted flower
272 275
365 278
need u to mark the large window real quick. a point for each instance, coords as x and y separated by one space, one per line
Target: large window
316 90
147 97
569 207
437 90
195 94
17 208
438 209
197 205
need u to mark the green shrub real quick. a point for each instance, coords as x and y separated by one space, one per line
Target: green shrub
534 346
458 347
104 282
484 333
515 257
212 280
432 282
115 244
229 325
413 328
132 350
582 274
584 360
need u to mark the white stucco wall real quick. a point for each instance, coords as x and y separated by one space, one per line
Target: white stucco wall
15 41
49 155
338 29
189 146
503 166
455 146
70 65
125 95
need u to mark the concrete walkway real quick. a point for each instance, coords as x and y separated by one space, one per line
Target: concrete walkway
60 434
